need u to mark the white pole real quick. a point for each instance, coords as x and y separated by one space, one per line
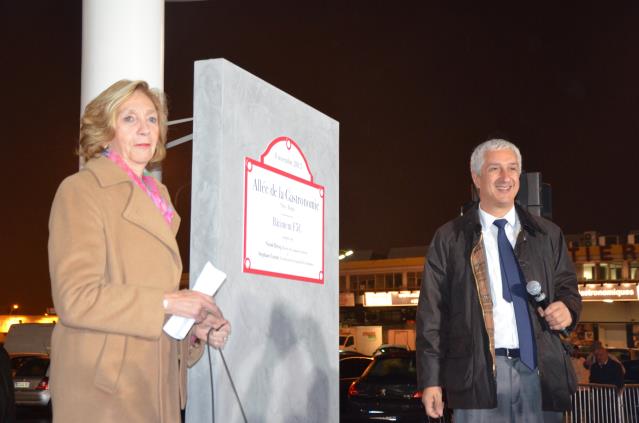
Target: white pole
121 39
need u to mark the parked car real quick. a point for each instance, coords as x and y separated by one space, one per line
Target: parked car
387 391
17 360
350 368
31 382
387 348
348 353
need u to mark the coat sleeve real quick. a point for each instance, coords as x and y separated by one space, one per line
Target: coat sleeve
189 353
432 311
194 348
565 279
82 296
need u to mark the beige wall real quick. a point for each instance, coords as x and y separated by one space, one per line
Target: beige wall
621 311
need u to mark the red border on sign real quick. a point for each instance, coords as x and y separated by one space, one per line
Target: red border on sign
248 167
289 144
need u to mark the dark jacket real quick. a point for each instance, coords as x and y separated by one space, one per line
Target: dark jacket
455 330
610 373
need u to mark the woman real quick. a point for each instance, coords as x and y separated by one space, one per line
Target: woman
115 270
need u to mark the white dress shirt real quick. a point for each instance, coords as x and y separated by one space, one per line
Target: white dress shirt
503 311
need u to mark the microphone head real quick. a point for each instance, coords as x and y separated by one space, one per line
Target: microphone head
533 288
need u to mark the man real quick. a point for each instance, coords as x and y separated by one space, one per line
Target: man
592 357
605 370
478 335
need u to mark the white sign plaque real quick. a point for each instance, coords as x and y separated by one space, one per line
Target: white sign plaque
283 215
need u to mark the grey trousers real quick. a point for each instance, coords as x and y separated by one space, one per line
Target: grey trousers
518 398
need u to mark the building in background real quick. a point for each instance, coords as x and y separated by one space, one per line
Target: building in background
384 289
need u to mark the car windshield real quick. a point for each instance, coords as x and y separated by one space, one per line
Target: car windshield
353 367
17 362
34 367
399 370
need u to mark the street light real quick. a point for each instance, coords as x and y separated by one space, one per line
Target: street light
14 307
345 254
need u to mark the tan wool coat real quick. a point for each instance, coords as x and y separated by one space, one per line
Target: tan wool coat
112 256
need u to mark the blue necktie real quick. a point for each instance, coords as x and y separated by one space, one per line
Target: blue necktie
515 292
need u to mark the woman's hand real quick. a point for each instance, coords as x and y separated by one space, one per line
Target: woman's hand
220 333
192 304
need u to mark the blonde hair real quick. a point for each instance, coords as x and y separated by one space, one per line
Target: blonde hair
97 125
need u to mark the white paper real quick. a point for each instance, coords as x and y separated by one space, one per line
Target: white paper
208 283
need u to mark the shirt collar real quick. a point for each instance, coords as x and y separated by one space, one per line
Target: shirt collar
487 219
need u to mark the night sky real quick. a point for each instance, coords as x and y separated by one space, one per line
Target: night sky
414 85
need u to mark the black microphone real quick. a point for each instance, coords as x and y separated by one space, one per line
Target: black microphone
534 290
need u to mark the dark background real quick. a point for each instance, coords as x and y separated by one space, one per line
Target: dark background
414 85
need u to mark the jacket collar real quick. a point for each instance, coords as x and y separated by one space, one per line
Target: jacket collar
106 172
472 224
139 209
528 222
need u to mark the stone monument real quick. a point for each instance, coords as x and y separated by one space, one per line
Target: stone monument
265 202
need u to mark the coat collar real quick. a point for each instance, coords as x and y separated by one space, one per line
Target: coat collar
472 224
139 209
106 172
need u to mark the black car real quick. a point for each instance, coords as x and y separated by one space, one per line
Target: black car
350 368
348 353
387 391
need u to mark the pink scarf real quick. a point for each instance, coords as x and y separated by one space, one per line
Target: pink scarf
147 184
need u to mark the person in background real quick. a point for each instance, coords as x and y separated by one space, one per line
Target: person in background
592 358
605 370
478 335
7 398
115 270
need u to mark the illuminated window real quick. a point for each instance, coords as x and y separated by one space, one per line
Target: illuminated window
379 282
614 271
363 283
414 279
609 271
393 281
604 273
370 284
589 271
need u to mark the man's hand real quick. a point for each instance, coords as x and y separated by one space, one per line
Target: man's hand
557 315
433 403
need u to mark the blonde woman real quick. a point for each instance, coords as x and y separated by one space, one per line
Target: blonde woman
115 270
